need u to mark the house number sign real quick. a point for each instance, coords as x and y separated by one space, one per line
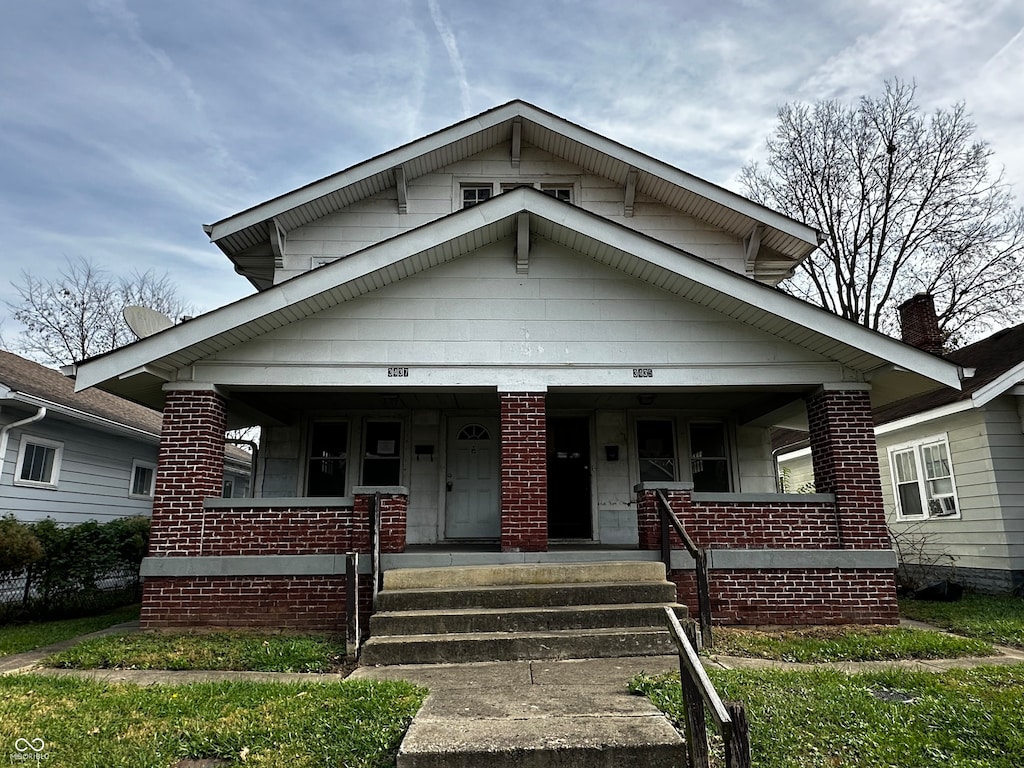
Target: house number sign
643 373
398 373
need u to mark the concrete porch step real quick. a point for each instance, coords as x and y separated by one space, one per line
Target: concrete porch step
526 596
427 622
451 577
467 647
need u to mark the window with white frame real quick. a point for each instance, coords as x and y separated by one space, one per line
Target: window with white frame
38 462
656 449
143 478
922 477
382 458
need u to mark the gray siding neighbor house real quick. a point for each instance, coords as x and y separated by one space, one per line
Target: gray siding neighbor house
952 461
78 456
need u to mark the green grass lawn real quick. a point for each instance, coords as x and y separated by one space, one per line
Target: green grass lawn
17 638
357 724
995 619
826 719
846 643
205 650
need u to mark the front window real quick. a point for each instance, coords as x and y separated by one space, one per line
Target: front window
655 445
382 462
38 462
709 457
328 458
922 476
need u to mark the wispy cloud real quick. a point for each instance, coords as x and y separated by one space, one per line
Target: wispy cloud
451 45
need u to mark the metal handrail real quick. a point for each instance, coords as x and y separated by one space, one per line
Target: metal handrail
669 520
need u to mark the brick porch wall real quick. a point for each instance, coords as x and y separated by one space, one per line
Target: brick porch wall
524 474
305 603
791 597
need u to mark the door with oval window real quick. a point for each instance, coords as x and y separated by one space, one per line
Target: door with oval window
472 483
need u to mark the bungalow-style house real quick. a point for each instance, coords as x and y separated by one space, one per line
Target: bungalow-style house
77 456
515 331
952 462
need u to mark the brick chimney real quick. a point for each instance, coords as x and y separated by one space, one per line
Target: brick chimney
919 325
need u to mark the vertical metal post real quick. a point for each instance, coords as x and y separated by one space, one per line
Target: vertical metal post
352 633
703 597
666 541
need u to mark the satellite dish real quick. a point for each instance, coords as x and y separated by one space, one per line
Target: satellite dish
145 321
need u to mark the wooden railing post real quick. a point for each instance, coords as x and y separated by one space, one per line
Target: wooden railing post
698 694
693 703
703 598
737 745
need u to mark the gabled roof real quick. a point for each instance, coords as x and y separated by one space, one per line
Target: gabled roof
998 363
139 370
245 237
35 384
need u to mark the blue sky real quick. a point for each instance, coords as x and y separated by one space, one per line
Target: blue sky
125 126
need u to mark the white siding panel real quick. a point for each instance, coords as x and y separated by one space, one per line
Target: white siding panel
568 309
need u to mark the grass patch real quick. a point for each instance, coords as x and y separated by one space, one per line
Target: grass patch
995 619
809 719
358 724
18 638
205 650
862 643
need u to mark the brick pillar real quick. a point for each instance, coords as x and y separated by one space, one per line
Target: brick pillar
190 468
845 459
524 472
393 520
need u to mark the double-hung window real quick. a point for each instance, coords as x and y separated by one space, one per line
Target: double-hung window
473 194
656 443
38 462
382 459
922 477
709 457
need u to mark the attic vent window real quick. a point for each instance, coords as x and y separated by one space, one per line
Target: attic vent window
474 194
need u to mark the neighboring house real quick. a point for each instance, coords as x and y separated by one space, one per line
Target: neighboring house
952 461
515 331
77 456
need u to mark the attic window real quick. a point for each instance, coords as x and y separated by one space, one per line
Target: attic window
558 192
472 194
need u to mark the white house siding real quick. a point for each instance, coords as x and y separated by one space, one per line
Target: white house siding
568 309
977 539
94 480
437 194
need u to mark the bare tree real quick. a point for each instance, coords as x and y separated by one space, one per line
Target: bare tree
905 202
79 313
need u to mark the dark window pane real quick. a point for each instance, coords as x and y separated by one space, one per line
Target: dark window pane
655 442
382 462
328 459
38 463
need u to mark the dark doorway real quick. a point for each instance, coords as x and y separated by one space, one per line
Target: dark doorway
569 512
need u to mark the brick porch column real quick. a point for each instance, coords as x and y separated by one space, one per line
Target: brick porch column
190 468
524 473
845 459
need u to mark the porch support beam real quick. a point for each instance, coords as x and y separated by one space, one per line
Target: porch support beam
630 196
400 187
522 243
753 245
517 140
278 242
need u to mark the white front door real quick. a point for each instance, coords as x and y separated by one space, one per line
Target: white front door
473 495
